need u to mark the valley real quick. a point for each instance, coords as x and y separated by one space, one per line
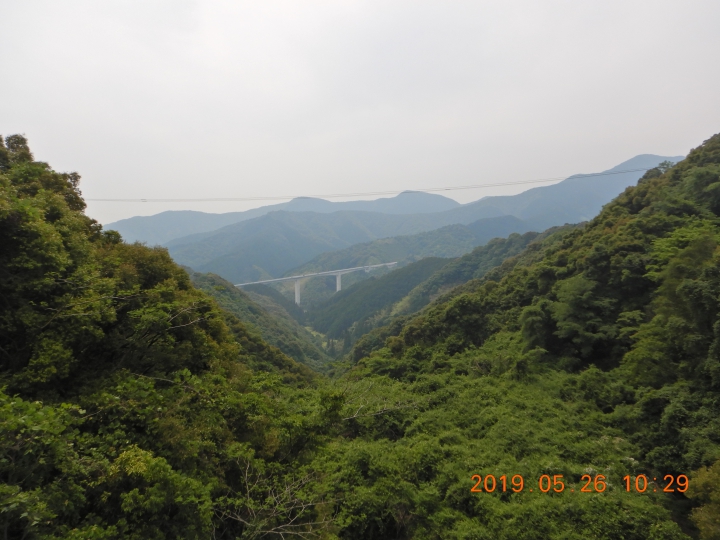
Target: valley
311 235
143 399
363 270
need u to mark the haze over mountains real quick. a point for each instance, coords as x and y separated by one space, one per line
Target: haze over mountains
270 241
578 198
585 349
386 301
166 226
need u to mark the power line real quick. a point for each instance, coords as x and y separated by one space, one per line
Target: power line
367 193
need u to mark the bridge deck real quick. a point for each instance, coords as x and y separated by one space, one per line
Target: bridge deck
327 273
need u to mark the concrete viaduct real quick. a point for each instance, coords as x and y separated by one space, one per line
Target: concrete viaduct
299 280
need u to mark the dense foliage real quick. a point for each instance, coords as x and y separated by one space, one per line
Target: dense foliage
128 407
132 406
629 303
372 334
283 332
356 304
473 265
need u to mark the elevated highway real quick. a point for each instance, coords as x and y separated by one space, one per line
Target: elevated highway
299 280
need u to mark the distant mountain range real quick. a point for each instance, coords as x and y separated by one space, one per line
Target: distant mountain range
166 226
577 198
271 245
539 203
270 241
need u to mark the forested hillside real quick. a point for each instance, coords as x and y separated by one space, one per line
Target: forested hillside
353 314
474 265
283 242
273 301
446 242
446 281
278 242
282 332
619 318
133 406
130 405
353 306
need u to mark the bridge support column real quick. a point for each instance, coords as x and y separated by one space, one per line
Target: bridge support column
338 284
297 292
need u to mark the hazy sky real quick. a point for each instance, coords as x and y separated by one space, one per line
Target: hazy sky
182 98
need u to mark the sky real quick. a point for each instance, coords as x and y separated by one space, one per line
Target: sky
200 99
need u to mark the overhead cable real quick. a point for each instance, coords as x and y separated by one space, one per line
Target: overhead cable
368 193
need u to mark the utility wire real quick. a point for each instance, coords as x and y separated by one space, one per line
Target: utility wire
368 193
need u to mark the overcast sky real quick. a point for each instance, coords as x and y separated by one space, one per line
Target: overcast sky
183 98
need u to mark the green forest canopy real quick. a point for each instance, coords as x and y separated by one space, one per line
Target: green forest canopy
365 298
284 333
133 406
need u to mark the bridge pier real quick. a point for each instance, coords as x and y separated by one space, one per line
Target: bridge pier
300 280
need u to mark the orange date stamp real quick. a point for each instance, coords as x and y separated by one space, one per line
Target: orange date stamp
589 484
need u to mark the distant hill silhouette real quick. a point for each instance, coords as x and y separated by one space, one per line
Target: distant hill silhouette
166 226
543 204
272 244
575 199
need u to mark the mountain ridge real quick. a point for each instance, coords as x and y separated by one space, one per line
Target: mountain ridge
277 243
165 226
172 225
271 245
133 406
